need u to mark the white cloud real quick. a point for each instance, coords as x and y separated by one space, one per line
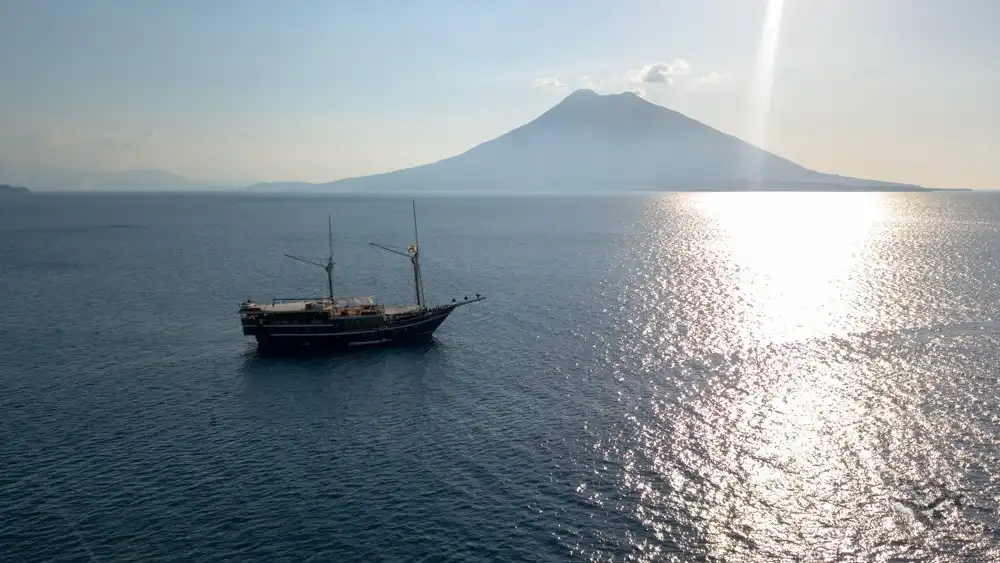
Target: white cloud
678 72
663 73
550 83
710 78
596 84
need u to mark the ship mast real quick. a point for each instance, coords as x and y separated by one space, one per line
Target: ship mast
413 253
329 262
418 280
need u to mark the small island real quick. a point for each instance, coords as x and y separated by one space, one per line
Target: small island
5 189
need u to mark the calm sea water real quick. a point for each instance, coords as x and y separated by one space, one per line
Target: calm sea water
722 377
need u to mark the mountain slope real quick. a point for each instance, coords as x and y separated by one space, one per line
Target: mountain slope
609 142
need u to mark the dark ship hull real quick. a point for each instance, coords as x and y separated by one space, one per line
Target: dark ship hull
339 333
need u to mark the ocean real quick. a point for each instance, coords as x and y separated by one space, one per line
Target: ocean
652 377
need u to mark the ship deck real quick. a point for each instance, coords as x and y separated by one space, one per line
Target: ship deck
309 306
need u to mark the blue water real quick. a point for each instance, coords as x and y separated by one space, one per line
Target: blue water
723 377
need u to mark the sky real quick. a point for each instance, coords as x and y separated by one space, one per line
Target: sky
317 90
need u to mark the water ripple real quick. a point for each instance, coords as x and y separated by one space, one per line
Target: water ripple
719 377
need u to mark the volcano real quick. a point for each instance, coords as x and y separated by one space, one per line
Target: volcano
613 142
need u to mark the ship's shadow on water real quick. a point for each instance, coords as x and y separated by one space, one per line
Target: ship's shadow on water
331 389
313 353
267 368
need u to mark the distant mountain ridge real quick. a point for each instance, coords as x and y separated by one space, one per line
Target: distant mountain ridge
613 142
5 189
41 178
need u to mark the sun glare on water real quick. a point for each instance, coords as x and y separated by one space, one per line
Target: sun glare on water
799 258
798 269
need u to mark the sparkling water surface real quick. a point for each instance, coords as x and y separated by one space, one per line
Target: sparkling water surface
716 377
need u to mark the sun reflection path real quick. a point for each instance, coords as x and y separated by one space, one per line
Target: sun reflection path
768 412
800 258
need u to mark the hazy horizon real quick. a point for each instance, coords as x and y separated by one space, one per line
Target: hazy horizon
252 91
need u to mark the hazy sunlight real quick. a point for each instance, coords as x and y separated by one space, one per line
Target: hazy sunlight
763 81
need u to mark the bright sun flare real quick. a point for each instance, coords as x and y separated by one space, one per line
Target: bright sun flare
763 84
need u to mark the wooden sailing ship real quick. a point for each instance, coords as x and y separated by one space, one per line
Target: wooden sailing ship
334 322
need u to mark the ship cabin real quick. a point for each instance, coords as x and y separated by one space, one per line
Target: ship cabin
306 311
